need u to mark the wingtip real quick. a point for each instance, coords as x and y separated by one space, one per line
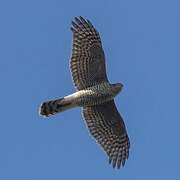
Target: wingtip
110 160
73 30
76 19
114 163
81 18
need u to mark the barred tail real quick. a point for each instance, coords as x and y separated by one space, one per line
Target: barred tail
55 106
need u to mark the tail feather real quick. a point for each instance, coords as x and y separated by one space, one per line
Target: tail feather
55 106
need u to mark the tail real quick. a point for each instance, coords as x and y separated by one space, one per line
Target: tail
55 106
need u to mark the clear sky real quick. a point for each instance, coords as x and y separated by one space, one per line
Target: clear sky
141 40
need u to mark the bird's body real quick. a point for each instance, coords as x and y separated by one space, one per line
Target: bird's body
91 96
94 94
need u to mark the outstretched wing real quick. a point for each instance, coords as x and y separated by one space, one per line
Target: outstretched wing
87 62
106 125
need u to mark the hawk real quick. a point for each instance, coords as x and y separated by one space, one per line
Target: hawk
94 93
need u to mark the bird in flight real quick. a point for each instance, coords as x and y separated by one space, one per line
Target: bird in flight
95 95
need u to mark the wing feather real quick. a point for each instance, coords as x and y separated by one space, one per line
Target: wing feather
107 126
87 62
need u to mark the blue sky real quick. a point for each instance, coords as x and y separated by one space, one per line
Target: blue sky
141 40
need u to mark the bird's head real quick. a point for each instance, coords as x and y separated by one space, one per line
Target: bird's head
117 88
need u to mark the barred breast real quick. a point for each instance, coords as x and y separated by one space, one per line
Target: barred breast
97 94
